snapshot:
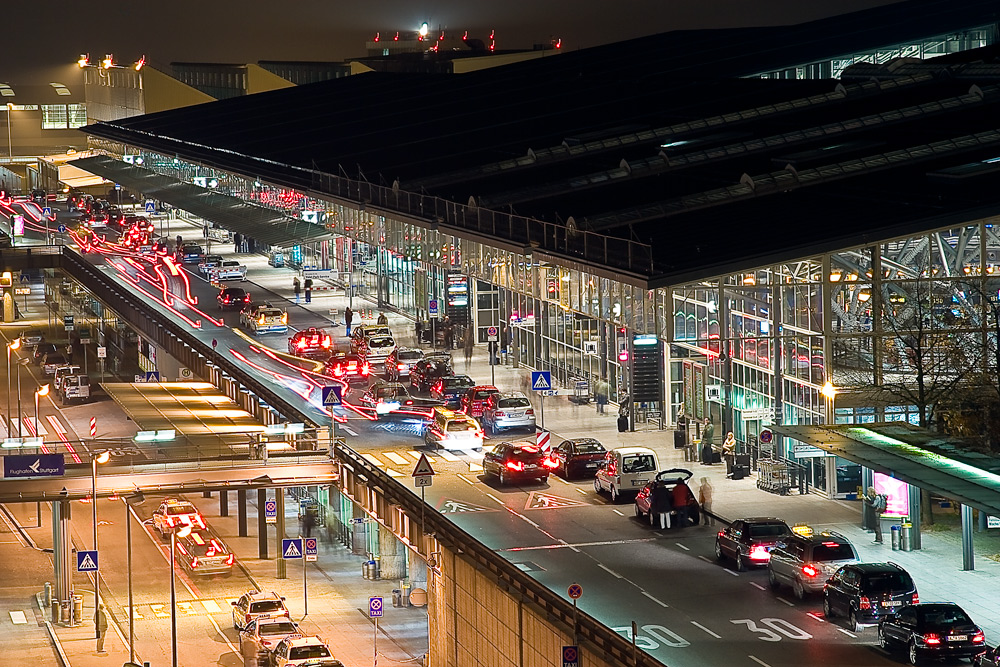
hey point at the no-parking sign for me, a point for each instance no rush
(571, 656)
(312, 549)
(271, 511)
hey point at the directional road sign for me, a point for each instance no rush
(374, 607)
(332, 395)
(312, 549)
(86, 561)
(492, 334)
(541, 380)
(62, 229)
(271, 511)
(571, 656)
(291, 548)
(575, 591)
(150, 206)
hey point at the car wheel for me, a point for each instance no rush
(772, 580)
(597, 485)
(502, 476)
(798, 589)
(827, 608)
(638, 512)
(852, 620)
(883, 640)
(615, 497)
(914, 654)
(741, 565)
(718, 551)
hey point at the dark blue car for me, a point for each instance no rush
(450, 388)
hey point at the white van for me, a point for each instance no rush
(626, 470)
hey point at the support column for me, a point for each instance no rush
(261, 525)
(392, 556)
(725, 350)
(968, 554)
(61, 544)
(915, 513)
(279, 497)
(223, 503)
(241, 512)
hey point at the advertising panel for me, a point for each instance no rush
(898, 493)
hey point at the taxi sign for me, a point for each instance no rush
(312, 549)
(571, 656)
(803, 530)
(374, 607)
(271, 511)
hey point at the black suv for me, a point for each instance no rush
(932, 630)
(806, 562)
(749, 541)
(430, 368)
(867, 592)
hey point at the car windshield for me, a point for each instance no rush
(832, 551)
(942, 617)
(409, 355)
(265, 606)
(887, 582)
(307, 652)
(589, 448)
(518, 402)
(280, 628)
(381, 342)
(377, 331)
(638, 463)
(460, 425)
(768, 530)
(183, 508)
(271, 312)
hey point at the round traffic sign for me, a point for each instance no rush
(62, 229)
(766, 437)
(270, 506)
(310, 543)
(376, 603)
(575, 591)
(570, 654)
(492, 331)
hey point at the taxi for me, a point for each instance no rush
(268, 320)
(311, 343)
(299, 651)
(202, 554)
(256, 605)
(453, 430)
(174, 512)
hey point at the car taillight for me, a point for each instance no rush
(247, 298)
(721, 533)
(301, 345)
(550, 463)
(529, 411)
(499, 413)
(978, 638)
(326, 342)
(759, 552)
(261, 320)
(401, 367)
(364, 369)
(932, 639)
(284, 318)
(225, 300)
(810, 570)
(231, 559)
(515, 465)
(864, 603)
(480, 433)
(338, 371)
(915, 599)
(194, 562)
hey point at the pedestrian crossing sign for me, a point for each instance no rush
(541, 380)
(86, 561)
(331, 395)
(291, 548)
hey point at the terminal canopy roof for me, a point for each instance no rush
(946, 466)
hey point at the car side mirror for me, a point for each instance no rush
(234, 602)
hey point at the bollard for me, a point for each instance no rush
(54, 606)
(906, 536)
(47, 594)
(77, 609)
(896, 540)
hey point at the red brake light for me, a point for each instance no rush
(529, 411)
(401, 367)
(326, 342)
(721, 533)
(932, 639)
(515, 465)
(364, 369)
(550, 463)
(916, 599)
(759, 552)
(301, 345)
(864, 603)
(830, 544)
(978, 638)
(247, 298)
(499, 413)
(809, 570)
(337, 370)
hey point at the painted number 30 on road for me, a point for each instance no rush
(653, 637)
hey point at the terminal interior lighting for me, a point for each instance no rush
(828, 390)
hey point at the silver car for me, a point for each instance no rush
(806, 562)
(505, 411)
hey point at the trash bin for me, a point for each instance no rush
(679, 439)
(47, 594)
(366, 568)
(397, 597)
(906, 537)
(896, 539)
(404, 594)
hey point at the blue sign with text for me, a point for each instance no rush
(34, 465)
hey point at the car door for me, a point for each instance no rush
(781, 555)
(835, 590)
(561, 454)
(490, 460)
(730, 537)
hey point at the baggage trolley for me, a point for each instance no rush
(773, 476)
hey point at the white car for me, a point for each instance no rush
(626, 470)
(268, 320)
(254, 606)
(210, 262)
(299, 651)
(228, 270)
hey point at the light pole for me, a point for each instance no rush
(10, 146)
(20, 421)
(136, 498)
(44, 391)
(11, 346)
(102, 457)
(182, 531)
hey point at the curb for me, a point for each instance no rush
(56, 644)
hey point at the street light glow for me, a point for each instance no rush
(43, 391)
(15, 344)
(829, 390)
(103, 457)
(108, 61)
(184, 530)
(83, 61)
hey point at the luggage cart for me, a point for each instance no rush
(773, 476)
(581, 392)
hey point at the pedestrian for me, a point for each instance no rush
(706, 442)
(660, 505)
(878, 503)
(69, 352)
(308, 286)
(297, 286)
(308, 521)
(681, 497)
(680, 431)
(705, 492)
(180, 242)
(470, 344)
(601, 389)
(238, 241)
(348, 318)
(382, 320)
(101, 623)
(418, 329)
(729, 452)
(449, 333)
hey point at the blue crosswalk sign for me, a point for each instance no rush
(291, 548)
(332, 395)
(541, 380)
(86, 561)
(150, 206)
(47, 211)
(152, 376)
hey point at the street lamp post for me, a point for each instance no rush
(10, 146)
(20, 420)
(136, 498)
(44, 391)
(11, 346)
(102, 457)
(176, 532)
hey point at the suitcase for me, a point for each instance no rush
(716, 457)
(622, 424)
(739, 472)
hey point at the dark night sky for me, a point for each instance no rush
(45, 36)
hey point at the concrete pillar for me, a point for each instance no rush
(359, 532)
(915, 512)
(416, 568)
(392, 554)
(968, 554)
(223, 503)
(61, 544)
(241, 511)
(261, 525)
(279, 497)
(206, 494)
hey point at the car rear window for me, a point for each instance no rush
(768, 530)
(526, 455)
(307, 652)
(589, 448)
(514, 403)
(207, 549)
(388, 392)
(482, 394)
(265, 606)
(456, 382)
(460, 425)
(887, 582)
(638, 463)
(410, 355)
(381, 342)
(833, 551)
(943, 617)
(271, 629)
(184, 508)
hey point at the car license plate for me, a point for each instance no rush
(592, 465)
(892, 603)
(530, 466)
(957, 638)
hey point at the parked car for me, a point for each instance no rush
(748, 542)
(867, 592)
(426, 371)
(174, 512)
(202, 554)
(63, 372)
(311, 343)
(936, 630)
(42, 349)
(579, 457)
(625, 471)
(75, 388)
(449, 389)
(667, 480)
(228, 270)
(474, 399)
(299, 651)
(509, 410)
(517, 461)
(453, 430)
(52, 361)
(254, 606)
(32, 337)
(805, 562)
(360, 333)
(208, 263)
(232, 298)
(259, 638)
(397, 364)
(348, 367)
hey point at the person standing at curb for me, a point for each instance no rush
(705, 492)
(878, 504)
(297, 286)
(382, 320)
(706, 442)
(601, 395)
(348, 318)
(469, 344)
(729, 452)
(308, 286)
(101, 622)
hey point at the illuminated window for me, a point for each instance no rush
(54, 117)
(77, 115)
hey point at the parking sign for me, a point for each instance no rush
(312, 549)
(374, 607)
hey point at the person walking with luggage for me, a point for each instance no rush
(348, 318)
(705, 493)
(101, 623)
(382, 320)
(706, 442)
(729, 452)
(878, 504)
(601, 395)
(297, 286)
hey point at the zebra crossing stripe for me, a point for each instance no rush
(394, 457)
(448, 456)
(374, 459)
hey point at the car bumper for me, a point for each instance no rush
(270, 328)
(579, 468)
(514, 475)
(515, 423)
(209, 570)
(944, 652)
(461, 443)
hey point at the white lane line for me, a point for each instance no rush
(490, 495)
(475, 467)
(465, 479)
(560, 479)
(726, 569)
(395, 458)
(609, 570)
(473, 454)
(790, 604)
(702, 627)
(756, 585)
(816, 616)
(849, 634)
(581, 490)
(758, 661)
(617, 512)
(682, 546)
(448, 456)
(350, 431)
(662, 604)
